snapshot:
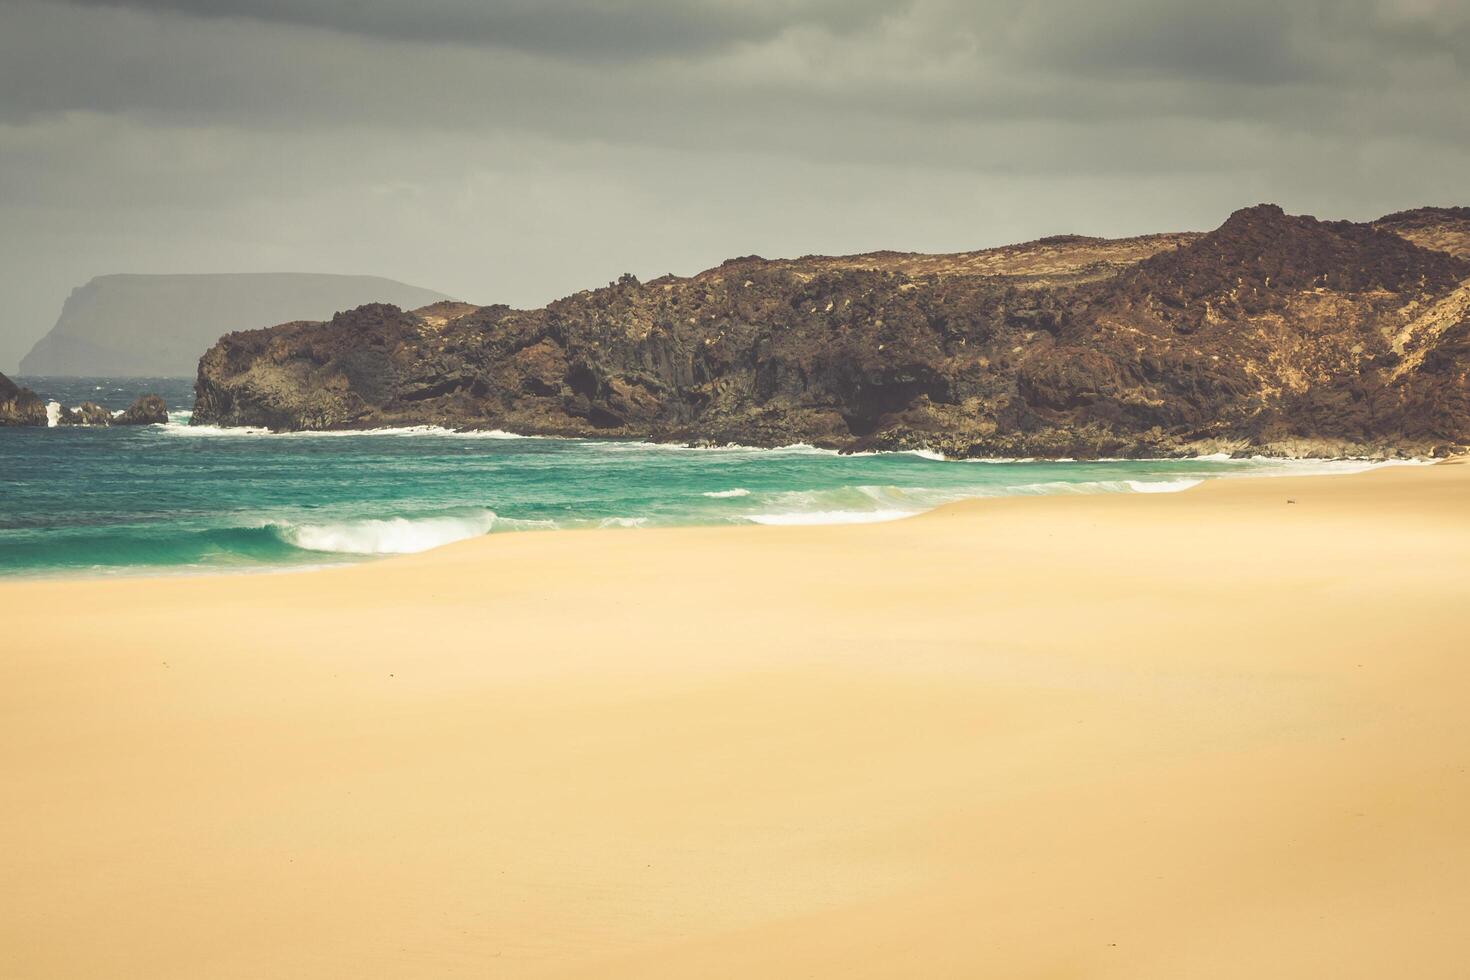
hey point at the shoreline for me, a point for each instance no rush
(331, 560)
(1246, 453)
(1241, 450)
(1212, 733)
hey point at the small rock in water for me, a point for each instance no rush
(147, 410)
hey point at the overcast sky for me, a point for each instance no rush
(516, 151)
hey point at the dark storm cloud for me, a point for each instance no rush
(600, 30)
(947, 75)
(1241, 42)
(521, 149)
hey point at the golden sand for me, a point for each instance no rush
(1213, 734)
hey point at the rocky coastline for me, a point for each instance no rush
(23, 407)
(1274, 334)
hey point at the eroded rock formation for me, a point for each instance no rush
(22, 406)
(146, 410)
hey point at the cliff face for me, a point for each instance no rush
(1271, 333)
(157, 326)
(20, 406)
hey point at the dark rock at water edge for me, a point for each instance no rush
(1274, 333)
(87, 413)
(20, 406)
(147, 410)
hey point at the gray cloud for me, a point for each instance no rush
(612, 30)
(516, 151)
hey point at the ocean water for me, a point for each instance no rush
(78, 501)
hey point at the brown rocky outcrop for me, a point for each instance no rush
(1440, 229)
(146, 410)
(87, 413)
(1272, 333)
(20, 406)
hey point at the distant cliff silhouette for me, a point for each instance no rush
(158, 326)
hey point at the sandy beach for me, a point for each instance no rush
(1213, 734)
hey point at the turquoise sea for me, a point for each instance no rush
(184, 498)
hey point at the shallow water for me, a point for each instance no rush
(108, 501)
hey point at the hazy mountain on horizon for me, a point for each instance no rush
(158, 325)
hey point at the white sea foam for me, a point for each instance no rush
(524, 524)
(392, 536)
(53, 414)
(434, 430)
(997, 460)
(624, 446)
(921, 453)
(1162, 486)
(622, 522)
(851, 505)
(1098, 486)
(255, 430)
(737, 492)
(1270, 466)
(213, 431)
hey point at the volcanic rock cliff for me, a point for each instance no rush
(1273, 333)
(20, 406)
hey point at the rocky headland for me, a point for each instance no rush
(1274, 334)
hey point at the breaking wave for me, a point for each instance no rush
(1098, 486)
(200, 497)
(623, 522)
(848, 505)
(390, 536)
(1161, 486)
(871, 504)
(633, 446)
